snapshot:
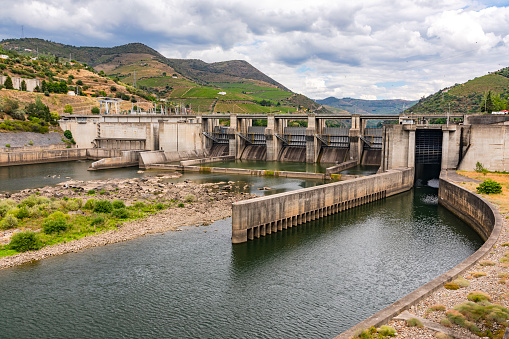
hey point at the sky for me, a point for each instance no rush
(364, 49)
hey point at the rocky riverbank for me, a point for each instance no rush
(205, 203)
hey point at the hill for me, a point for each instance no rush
(489, 92)
(360, 106)
(229, 86)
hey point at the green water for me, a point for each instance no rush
(270, 165)
(311, 281)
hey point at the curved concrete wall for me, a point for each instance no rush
(478, 213)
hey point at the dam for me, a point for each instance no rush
(403, 148)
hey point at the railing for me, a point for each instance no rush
(253, 138)
(339, 141)
(218, 138)
(372, 141)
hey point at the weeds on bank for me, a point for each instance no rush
(376, 333)
(479, 313)
(46, 221)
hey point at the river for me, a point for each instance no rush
(311, 281)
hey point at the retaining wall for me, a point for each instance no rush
(257, 217)
(468, 206)
(39, 157)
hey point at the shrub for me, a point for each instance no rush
(7, 145)
(387, 331)
(451, 286)
(478, 274)
(478, 296)
(118, 204)
(68, 134)
(190, 198)
(68, 109)
(95, 110)
(98, 220)
(479, 167)
(456, 317)
(181, 204)
(22, 213)
(489, 187)
(25, 241)
(54, 223)
(89, 205)
(73, 204)
(90, 192)
(6, 206)
(120, 213)
(9, 221)
(461, 282)
(103, 206)
(414, 322)
(159, 206)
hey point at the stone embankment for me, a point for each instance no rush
(21, 139)
(213, 202)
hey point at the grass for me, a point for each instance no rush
(78, 225)
(502, 199)
(414, 322)
(477, 274)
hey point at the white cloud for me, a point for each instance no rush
(347, 47)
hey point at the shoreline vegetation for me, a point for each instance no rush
(76, 215)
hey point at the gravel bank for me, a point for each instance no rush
(213, 202)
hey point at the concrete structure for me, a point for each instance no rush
(481, 215)
(16, 82)
(460, 146)
(257, 217)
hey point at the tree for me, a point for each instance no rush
(499, 102)
(8, 83)
(68, 109)
(487, 103)
(23, 86)
(38, 110)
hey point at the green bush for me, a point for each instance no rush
(103, 206)
(95, 110)
(159, 206)
(387, 331)
(90, 192)
(479, 168)
(139, 204)
(22, 213)
(120, 213)
(181, 204)
(89, 205)
(118, 204)
(98, 220)
(54, 223)
(68, 134)
(489, 187)
(25, 241)
(68, 109)
(414, 322)
(9, 221)
(6, 206)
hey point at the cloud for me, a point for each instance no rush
(318, 48)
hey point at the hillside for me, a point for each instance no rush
(229, 86)
(489, 91)
(360, 106)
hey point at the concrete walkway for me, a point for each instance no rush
(458, 178)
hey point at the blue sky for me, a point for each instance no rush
(368, 49)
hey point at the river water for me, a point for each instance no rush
(311, 281)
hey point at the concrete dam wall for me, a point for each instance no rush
(481, 215)
(257, 217)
